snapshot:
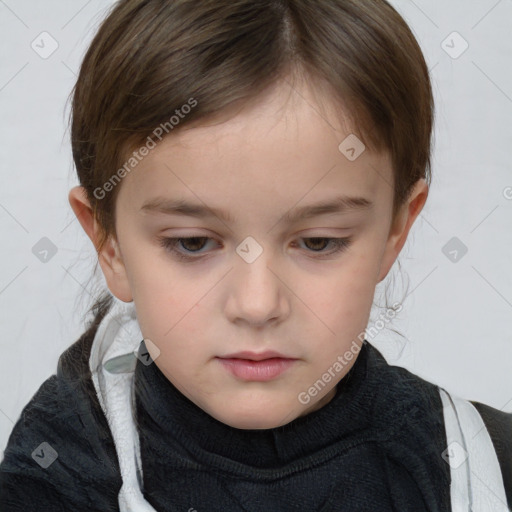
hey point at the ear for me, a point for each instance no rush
(401, 226)
(110, 257)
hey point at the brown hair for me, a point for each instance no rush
(149, 58)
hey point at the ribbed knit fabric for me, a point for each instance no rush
(376, 446)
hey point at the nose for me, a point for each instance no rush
(257, 294)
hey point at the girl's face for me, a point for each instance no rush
(263, 270)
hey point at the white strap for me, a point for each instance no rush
(112, 364)
(476, 479)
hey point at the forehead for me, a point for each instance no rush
(276, 151)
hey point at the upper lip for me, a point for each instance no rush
(254, 356)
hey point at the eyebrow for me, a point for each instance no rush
(337, 205)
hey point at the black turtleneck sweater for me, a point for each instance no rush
(376, 446)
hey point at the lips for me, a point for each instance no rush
(253, 356)
(256, 366)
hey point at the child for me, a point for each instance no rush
(249, 173)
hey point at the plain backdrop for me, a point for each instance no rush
(457, 314)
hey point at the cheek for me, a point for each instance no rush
(160, 286)
(347, 285)
(170, 314)
(339, 303)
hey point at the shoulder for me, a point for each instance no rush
(498, 423)
(420, 393)
(402, 394)
(60, 449)
(499, 426)
(431, 419)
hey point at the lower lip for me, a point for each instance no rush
(266, 369)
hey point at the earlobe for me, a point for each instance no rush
(401, 227)
(109, 257)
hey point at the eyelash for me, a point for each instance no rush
(169, 244)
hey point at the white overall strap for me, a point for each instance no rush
(112, 362)
(476, 478)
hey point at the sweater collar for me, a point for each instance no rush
(170, 415)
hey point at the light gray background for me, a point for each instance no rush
(457, 318)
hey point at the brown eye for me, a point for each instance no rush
(185, 247)
(318, 243)
(192, 244)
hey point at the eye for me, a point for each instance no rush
(193, 245)
(171, 244)
(339, 244)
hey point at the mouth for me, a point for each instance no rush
(254, 356)
(256, 370)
